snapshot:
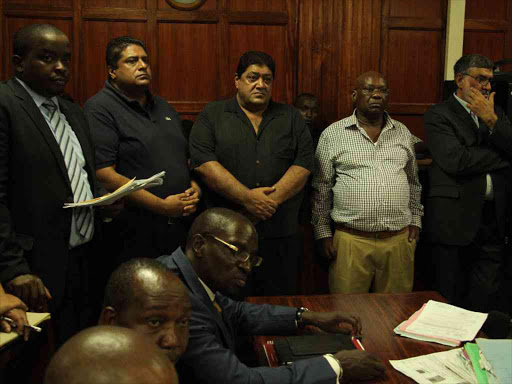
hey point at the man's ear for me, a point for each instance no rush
(237, 79)
(17, 63)
(354, 95)
(111, 72)
(198, 243)
(459, 78)
(108, 316)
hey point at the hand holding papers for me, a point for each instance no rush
(442, 323)
(131, 186)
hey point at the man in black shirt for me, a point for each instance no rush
(138, 134)
(255, 156)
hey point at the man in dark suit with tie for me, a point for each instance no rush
(46, 160)
(468, 199)
(221, 251)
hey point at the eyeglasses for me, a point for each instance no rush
(372, 90)
(482, 80)
(241, 256)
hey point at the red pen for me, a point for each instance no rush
(357, 343)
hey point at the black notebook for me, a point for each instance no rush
(290, 349)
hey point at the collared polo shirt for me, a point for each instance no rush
(224, 133)
(140, 141)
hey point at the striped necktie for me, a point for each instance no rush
(81, 190)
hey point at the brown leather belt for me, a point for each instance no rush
(374, 235)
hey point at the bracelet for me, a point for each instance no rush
(298, 317)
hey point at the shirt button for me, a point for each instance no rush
(257, 161)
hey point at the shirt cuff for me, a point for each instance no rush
(336, 366)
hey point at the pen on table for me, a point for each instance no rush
(357, 343)
(13, 324)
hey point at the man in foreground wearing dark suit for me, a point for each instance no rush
(467, 204)
(222, 249)
(46, 160)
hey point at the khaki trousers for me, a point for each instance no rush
(366, 264)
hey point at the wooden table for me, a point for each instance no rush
(379, 313)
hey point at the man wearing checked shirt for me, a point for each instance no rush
(366, 182)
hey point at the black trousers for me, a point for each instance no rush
(470, 276)
(277, 275)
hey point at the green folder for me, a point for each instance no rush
(474, 354)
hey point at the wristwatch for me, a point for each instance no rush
(298, 317)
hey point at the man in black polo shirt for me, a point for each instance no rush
(255, 156)
(138, 134)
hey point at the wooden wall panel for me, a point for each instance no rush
(182, 76)
(414, 64)
(96, 35)
(413, 44)
(488, 29)
(416, 8)
(15, 23)
(486, 10)
(38, 3)
(269, 39)
(209, 5)
(490, 44)
(114, 4)
(258, 5)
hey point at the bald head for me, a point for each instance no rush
(362, 78)
(146, 296)
(109, 355)
(370, 96)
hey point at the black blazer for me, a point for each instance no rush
(462, 156)
(34, 185)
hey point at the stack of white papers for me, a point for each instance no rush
(442, 323)
(131, 186)
(453, 367)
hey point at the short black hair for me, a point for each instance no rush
(116, 46)
(255, 58)
(304, 96)
(472, 61)
(119, 290)
(25, 37)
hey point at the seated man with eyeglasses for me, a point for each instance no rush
(221, 251)
(366, 181)
(469, 196)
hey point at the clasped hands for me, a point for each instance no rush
(259, 204)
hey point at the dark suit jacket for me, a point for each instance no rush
(210, 356)
(462, 156)
(34, 185)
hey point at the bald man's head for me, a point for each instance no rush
(370, 95)
(110, 355)
(210, 248)
(144, 295)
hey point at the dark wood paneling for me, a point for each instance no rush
(269, 39)
(207, 6)
(490, 44)
(416, 8)
(95, 36)
(485, 9)
(114, 4)
(414, 64)
(15, 23)
(258, 5)
(46, 4)
(182, 76)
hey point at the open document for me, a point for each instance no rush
(442, 323)
(450, 367)
(131, 186)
